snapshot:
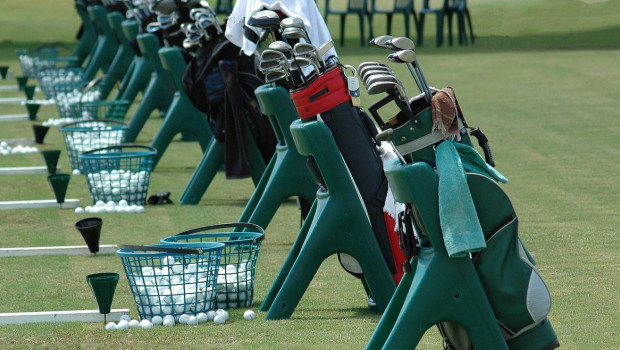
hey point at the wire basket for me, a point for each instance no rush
(66, 79)
(235, 281)
(70, 98)
(119, 172)
(86, 135)
(172, 279)
(42, 63)
(26, 59)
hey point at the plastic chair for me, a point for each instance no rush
(337, 223)
(439, 12)
(181, 116)
(158, 93)
(459, 8)
(286, 174)
(358, 7)
(224, 7)
(404, 7)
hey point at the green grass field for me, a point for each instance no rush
(541, 81)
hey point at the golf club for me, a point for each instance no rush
(267, 20)
(368, 69)
(379, 76)
(381, 40)
(305, 49)
(325, 47)
(283, 47)
(294, 22)
(408, 57)
(387, 86)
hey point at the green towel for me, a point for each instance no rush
(474, 163)
(462, 233)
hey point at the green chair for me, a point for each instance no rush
(459, 9)
(122, 60)
(159, 91)
(404, 7)
(354, 7)
(139, 72)
(181, 116)
(224, 7)
(88, 37)
(286, 174)
(439, 12)
(106, 47)
(442, 289)
(337, 223)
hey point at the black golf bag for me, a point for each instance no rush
(327, 98)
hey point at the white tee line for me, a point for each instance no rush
(13, 117)
(26, 170)
(43, 203)
(58, 250)
(13, 100)
(61, 316)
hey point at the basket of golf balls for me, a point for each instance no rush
(86, 135)
(26, 59)
(172, 279)
(235, 279)
(56, 80)
(70, 101)
(119, 172)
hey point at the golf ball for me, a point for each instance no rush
(211, 315)
(219, 319)
(168, 322)
(183, 319)
(122, 325)
(79, 210)
(134, 323)
(202, 317)
(192, 321)
(76, 172)
(145, 324)
(249, 315)
(157, 320)
(110, 326)
(223, 313)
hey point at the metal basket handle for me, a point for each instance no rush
(197, 251)
(91, 121)
(122, 146)
(228, 225)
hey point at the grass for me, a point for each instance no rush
(541, 82)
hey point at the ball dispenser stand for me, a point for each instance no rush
(51, 160)
(39, 132)
(59, 183)
(90, 229)
(103, 286)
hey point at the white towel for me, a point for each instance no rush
(304, 9)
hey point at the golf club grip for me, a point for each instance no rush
(483, 141)
(162, 249)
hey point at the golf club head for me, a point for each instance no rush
(293, 22)
(366, 69)
(384, 86)
(370, 63)
(275, 76)
(403, 56)
(266, 19)
(267, 65)
(381, 40)
(153, 27)
(381, 77)
(272, 54)
(164, 7)
(295, 33)
(368, 73)
(400, 43)
(282, 47)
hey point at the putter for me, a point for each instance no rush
(408, 57)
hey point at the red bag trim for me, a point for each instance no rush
(324, 93)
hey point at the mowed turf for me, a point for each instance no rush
(541, 81)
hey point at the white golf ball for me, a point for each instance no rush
(76, 172)
(219, 319)
(145, 324)
(192, 321)
(223, 313)
(125, 317)
(122, 325)
(202, 317)
(110, 326)
(168, 322)
(134, 323)
(249, 315)
(157, 320)
(139, 209)
(183, 319)
(211, 315)
(79, 210)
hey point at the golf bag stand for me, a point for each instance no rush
(158, 93)
(337, 223)
(491, 299)
(182, 116)
(87, 36)
(286, 174)
(106, 47)
(139, 73)
(122, 60)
